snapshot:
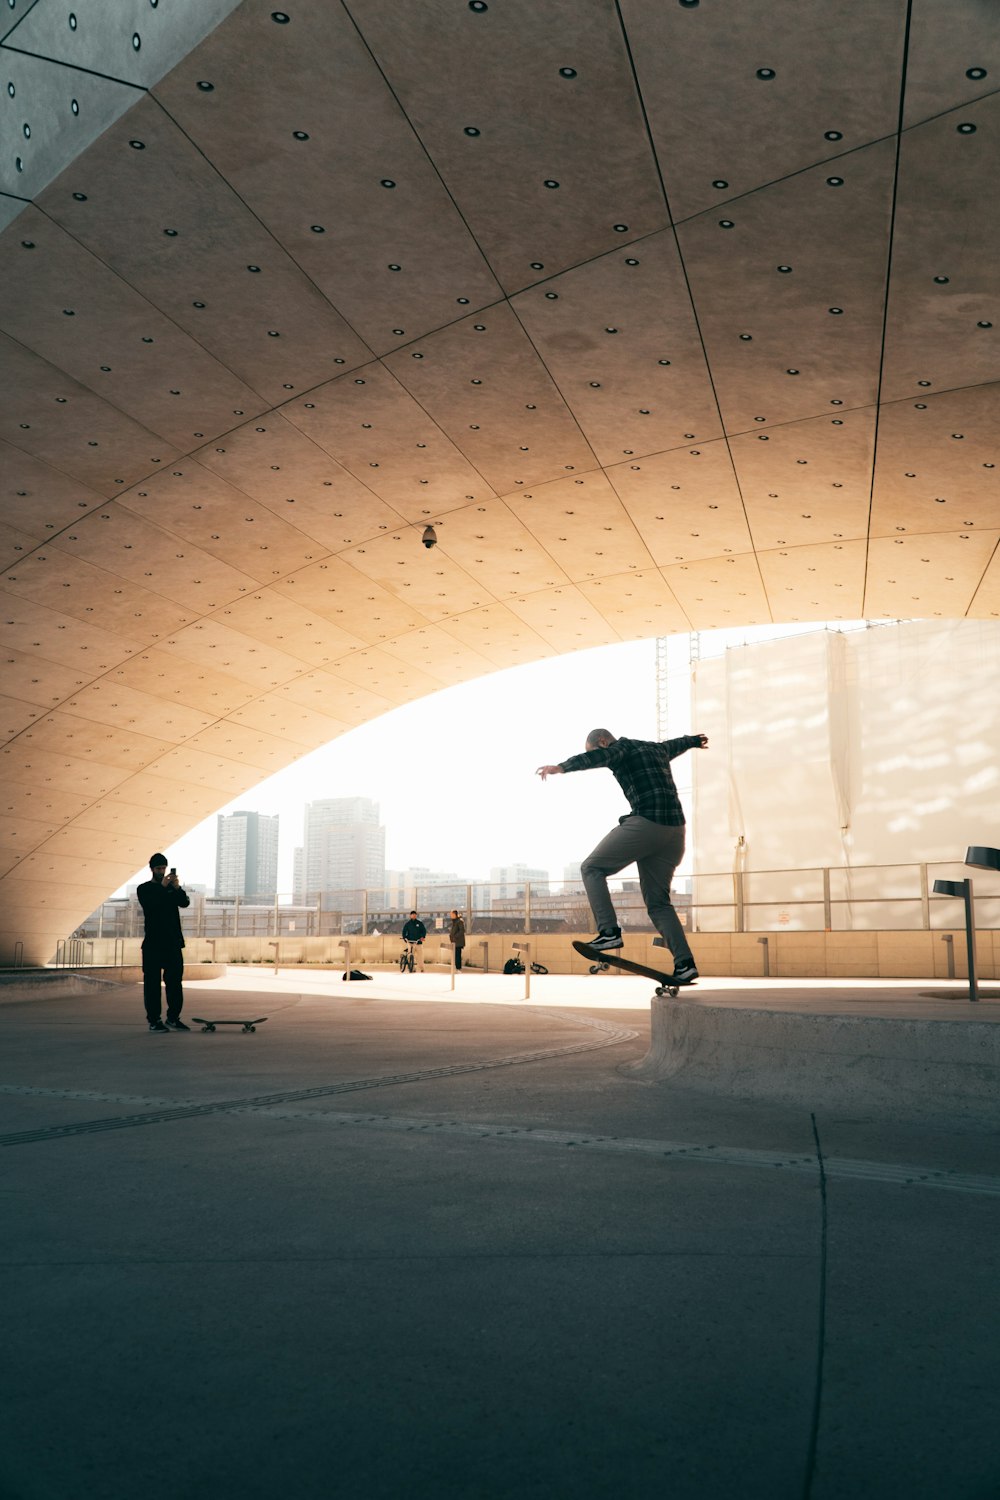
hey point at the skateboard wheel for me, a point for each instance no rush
(673, 991)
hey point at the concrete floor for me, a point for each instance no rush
(403, 1244)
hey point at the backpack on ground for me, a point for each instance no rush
(513, 966)
(354, 974)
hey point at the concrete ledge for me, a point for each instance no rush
(903, 1066)
(58, 984)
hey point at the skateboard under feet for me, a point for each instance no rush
(666, 984)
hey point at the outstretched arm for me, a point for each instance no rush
(685, 742)
(601, 755)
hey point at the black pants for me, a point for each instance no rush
(458, 957)
(166, 964)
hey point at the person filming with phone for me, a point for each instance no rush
(163, 946)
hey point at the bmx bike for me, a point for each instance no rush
(407, 959)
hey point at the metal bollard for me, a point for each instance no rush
(948, 939)
(525, 948)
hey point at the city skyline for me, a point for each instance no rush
(461, 795)
(454, 773)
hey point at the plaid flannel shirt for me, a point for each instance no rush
(642, 770)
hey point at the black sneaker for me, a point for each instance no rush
(685, 973)
(157, 1026)
(177, 1025)
(608, 937)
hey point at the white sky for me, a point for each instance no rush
(453, 773)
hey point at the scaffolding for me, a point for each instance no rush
(663, 676)
(662, 693)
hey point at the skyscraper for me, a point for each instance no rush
(246, 856)
(343, 847)
(510, 880)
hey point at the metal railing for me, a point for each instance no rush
(858, 898)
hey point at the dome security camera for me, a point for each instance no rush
(429, 537)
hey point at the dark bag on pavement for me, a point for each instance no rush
(513, 966)
(354, 974)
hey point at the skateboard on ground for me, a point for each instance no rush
(211, 1025)
(665, 984)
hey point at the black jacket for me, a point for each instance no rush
(160, 908)
(414, 931)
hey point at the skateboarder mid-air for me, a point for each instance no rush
(651, 835)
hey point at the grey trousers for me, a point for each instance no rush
(656, 849)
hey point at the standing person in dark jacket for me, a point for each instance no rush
(651, 835)
(456, 936)
(163, 946)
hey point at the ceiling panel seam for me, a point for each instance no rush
(58, 62)
(687, 284)
(419, 140)
(888, 272)
(763, 187)
(19, 20)
(410, 396)
(993, 557)
(156, 311)
(951, 110)
(281, 248)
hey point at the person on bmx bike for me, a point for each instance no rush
(414, 933)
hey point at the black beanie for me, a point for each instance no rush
(157, 859)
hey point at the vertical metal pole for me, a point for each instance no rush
(925, 900)
(468, 907)
(527, 906)
(827, 902)
(970, 939)
(236, 916)
(766, 955)
(277, 917)
(364, 913)
(741, 925)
